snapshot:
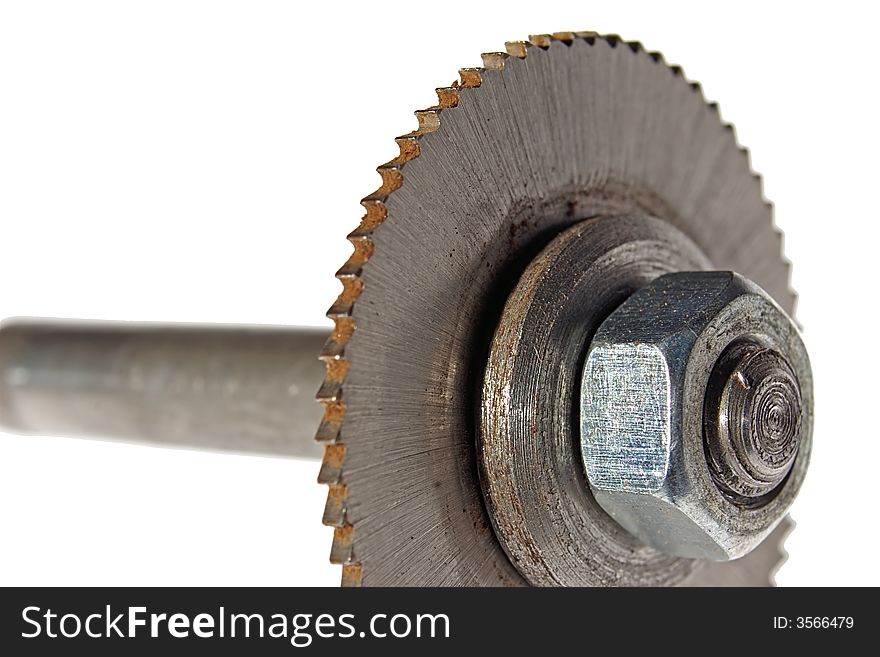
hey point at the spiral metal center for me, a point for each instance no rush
(752, 421)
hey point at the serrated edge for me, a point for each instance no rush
(330, 394)
(781, 551)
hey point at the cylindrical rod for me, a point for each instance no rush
(239, 388)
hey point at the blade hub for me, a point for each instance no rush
(533, 481)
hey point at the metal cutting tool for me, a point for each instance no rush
(563, 354)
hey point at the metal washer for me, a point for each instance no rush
(533, 480)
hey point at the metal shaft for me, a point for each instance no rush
(239, 388)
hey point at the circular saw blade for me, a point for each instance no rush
(555, 130)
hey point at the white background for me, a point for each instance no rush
(203, 161)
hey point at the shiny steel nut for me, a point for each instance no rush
(696, 415)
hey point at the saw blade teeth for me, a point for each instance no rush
(337, 369)
(331, 464)
(517, 48)
(376, 212)
(351, 289)
(341, 550)
(409, 148)
(447, 97)
(363, 249)
(331, 387)
(351, 575)
(334, 509)
(470, 78)
(494, 61)
(330, 390)
(611, 39)
(541, 40)
(392, 179)
(429, 120)
(368, 224)
(788, 525)
(747, 155)
(791, 291)
(331, 423)
(544, 41)
(715, 108)
(334, 347)
(565, 37)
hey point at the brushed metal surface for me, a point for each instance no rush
(626, 414)
(514, 154)
(236, 388)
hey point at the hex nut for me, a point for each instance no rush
(643, 390)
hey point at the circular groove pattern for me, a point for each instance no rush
(563, 128)
(752, 421)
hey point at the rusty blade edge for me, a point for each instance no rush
(330, 394)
